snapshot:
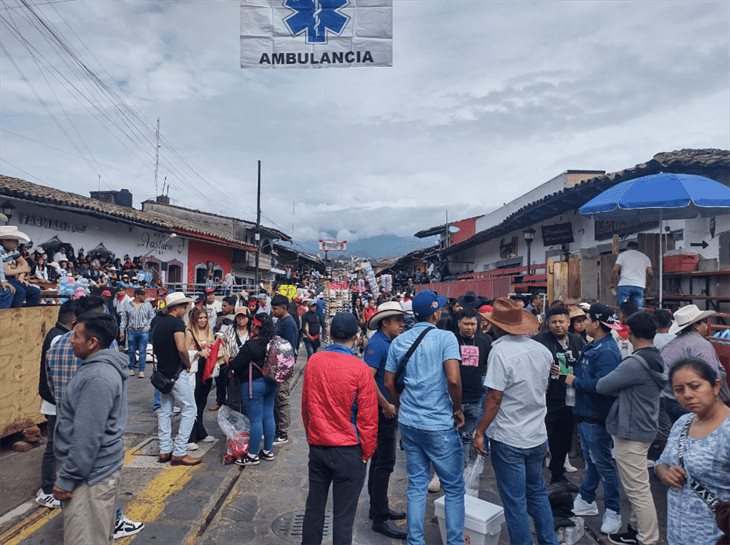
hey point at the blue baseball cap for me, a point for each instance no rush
(344, 326)
(427, 302)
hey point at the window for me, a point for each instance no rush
(174, 274)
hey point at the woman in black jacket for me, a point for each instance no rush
(257, 392)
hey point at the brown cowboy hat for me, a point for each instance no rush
(508, 316)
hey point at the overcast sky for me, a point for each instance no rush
(485, 100)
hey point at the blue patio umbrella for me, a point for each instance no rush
(660, 196)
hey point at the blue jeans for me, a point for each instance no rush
(30, 295)
(260, 411)
(137, 341)
(635, 294)
(182, 396)
(6, 298)
(472, 415)
(597, 444)
(443, 449)
(523, 492)
(156, 400)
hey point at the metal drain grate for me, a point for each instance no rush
(289, 525)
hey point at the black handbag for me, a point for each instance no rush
(399, 378)
(163, 384)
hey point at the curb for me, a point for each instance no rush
(217, 499)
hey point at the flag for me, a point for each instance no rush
(316, 33)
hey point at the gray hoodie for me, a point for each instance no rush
(637, 385)
(91, 420)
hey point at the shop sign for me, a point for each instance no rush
(50, 223)
(557, 234)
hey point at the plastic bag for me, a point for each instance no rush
(570, 535)
(236, 427)
(471, 475)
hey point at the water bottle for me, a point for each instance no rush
(569, 396)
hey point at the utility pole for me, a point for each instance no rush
(157, 154)
(99, 182)
(257, 233)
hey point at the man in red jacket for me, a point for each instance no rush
(340, 414)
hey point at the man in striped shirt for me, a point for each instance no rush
(136, 316)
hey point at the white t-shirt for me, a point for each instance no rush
(212, 310)
(520, 368)
(633, 268)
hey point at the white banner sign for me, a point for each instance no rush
(332, 245)
(316, 33)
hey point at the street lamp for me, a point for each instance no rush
(529, 235)
(7, 208)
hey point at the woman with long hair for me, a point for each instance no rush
(200, 339)
(257, 392)
(234, 339)
(696, 459)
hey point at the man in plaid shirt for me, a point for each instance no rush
(61, 365)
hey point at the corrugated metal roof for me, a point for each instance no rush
(714, 163)
(44, 195)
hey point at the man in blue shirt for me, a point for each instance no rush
(599, 358)
(286, 328)
(429, 415)
(388, 321)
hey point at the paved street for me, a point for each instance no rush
(210, 503)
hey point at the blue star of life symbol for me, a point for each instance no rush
(315, 18)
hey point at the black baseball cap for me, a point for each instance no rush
(604, 314)
(344, 326)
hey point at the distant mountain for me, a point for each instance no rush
(377, 247)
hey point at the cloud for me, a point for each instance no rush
(484, 102)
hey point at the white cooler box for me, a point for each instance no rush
(482, 521)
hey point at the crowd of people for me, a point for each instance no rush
(515, 378)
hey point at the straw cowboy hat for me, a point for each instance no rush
(576, 312)
(385, 310)
(10, 232)
(688, 315)
(508, 316)
(177, 298)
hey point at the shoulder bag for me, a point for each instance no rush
(162, 383)
(719, 507)
(403, 363)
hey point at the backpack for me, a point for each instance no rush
(279, 363)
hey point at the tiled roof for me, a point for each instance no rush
(713, 163)
(43, 195)
(273, 232)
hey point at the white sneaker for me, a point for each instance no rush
(611, 522)
(209, 439)
(176, 410)
(582, 508)
(126, 527)
(435, 484)
(131, 372)
(568, 467)
(192, 446)
(47, 500)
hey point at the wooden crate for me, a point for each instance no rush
(22, 331)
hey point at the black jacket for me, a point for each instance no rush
(556, 386)
(44, 390)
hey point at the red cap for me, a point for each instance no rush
(106, 293)
(209, 290)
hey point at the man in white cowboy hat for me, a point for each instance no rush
(690, 327)
(518, 371)
(387, 323)
(168, 341)
(15, 268)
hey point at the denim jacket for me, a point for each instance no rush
(599, 358)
